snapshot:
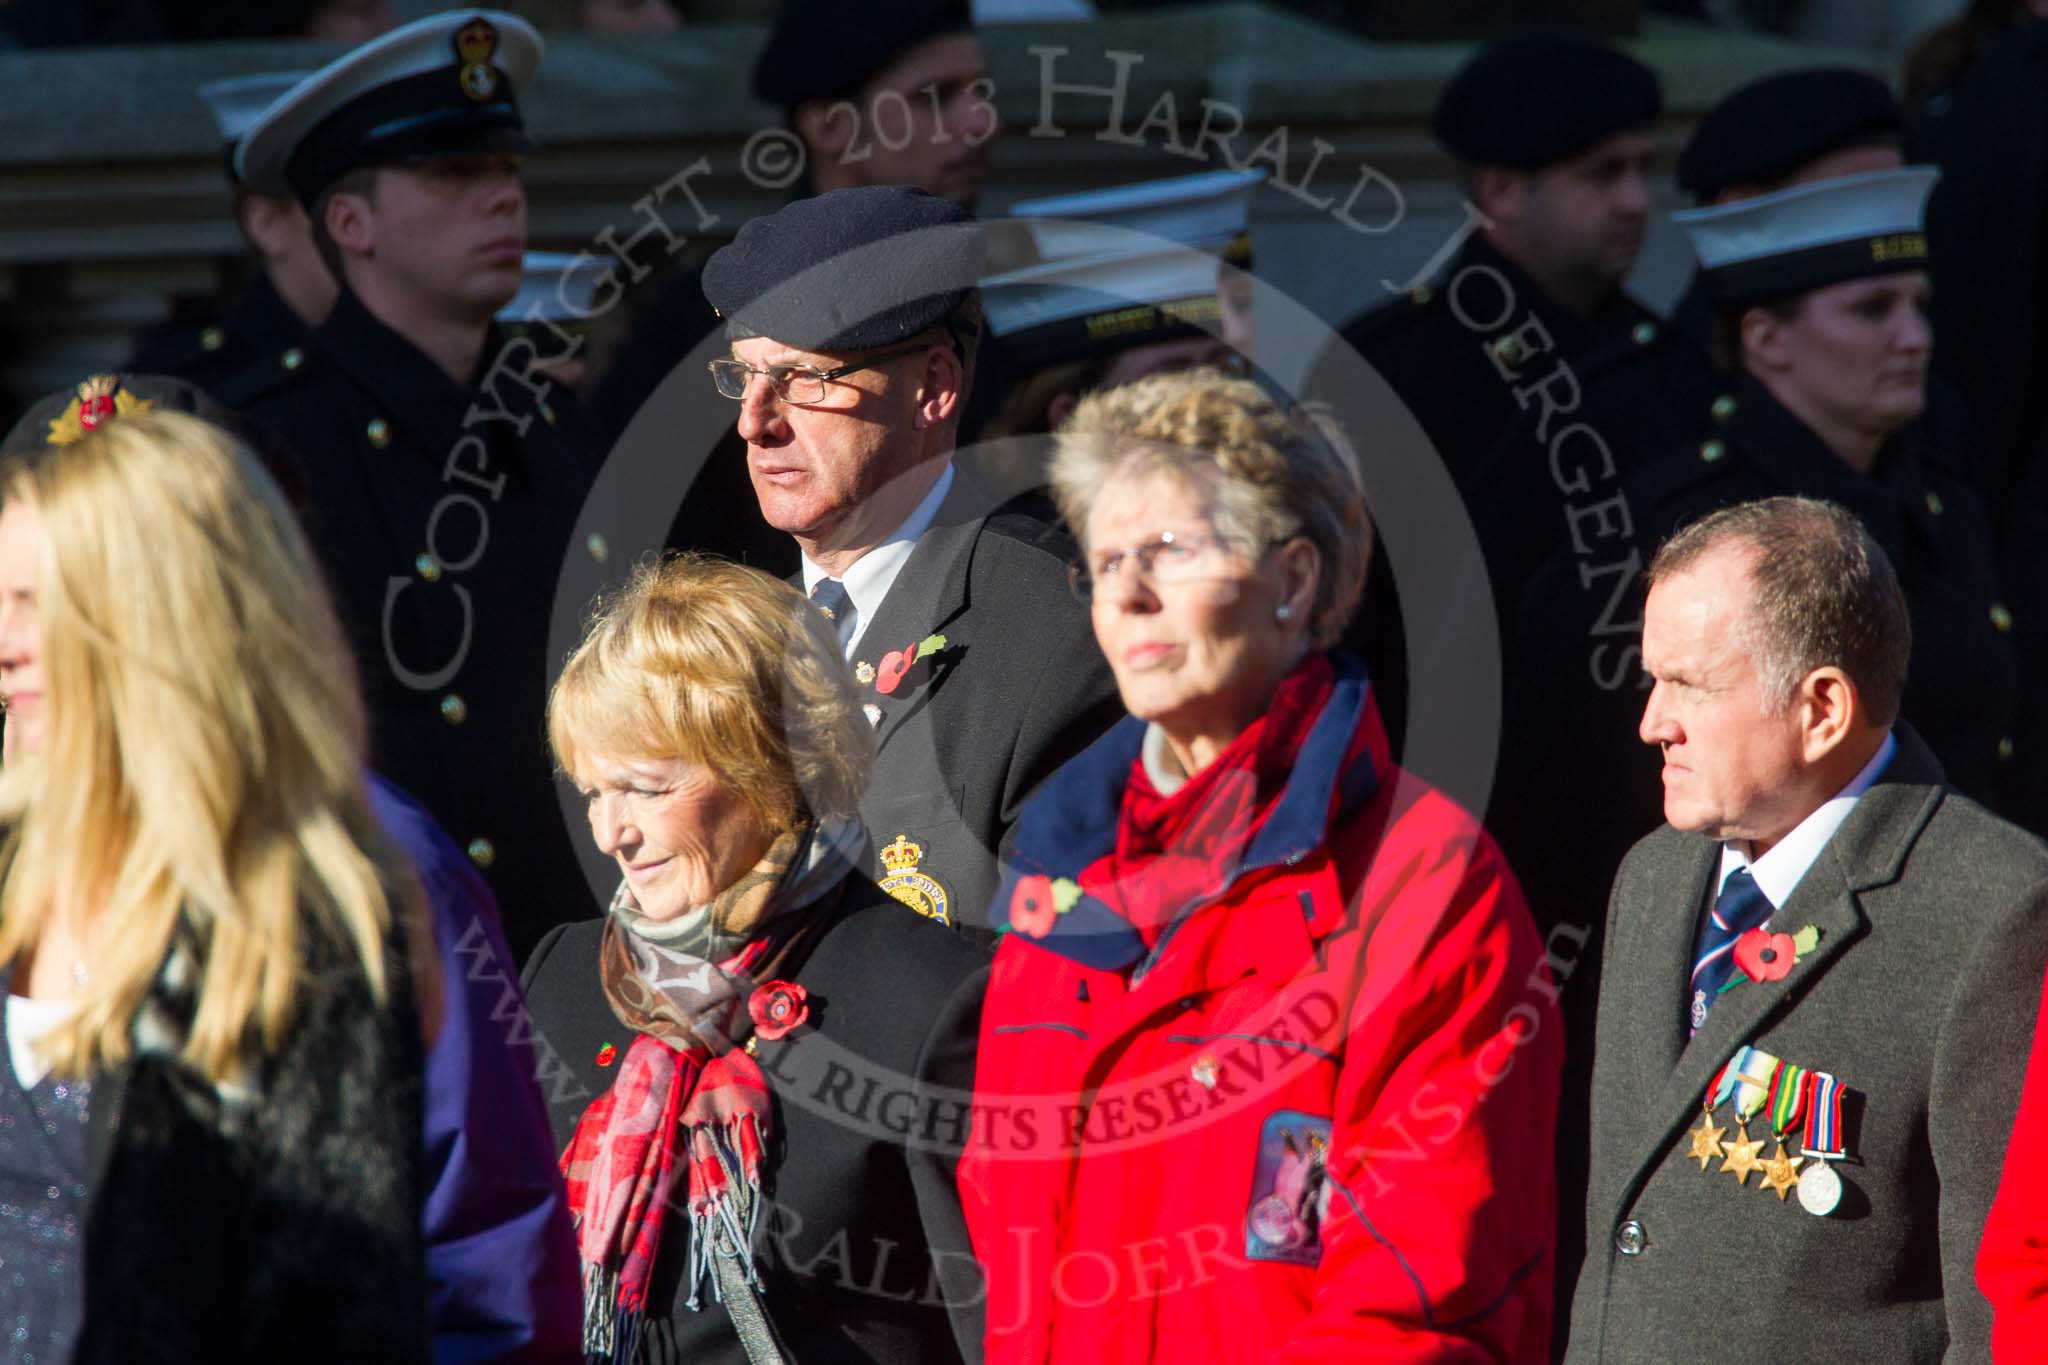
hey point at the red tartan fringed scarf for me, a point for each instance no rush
(621, 1173)
(687, 1099)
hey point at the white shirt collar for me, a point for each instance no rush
(1778, 872)
(870, 577)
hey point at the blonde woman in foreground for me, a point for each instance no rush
(210, 1089)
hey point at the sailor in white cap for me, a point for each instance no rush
(447, 470)
(289, 289)
(1821, 292)
(1117, 284)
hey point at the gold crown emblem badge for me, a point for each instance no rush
(911, 884)
(476, 42)
(902, 856)
(100, 399)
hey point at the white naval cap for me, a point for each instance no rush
(1813, 235)
(445, 85)
(1122, 267)
(556, 287)
(239, 101)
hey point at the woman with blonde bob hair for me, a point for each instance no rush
(773, 1040)
(1245, 953)
(202, 927)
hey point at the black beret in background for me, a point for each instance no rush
(847, 270)
(1768, 129)
(1538, 98)
(54, 419)
(827, 49)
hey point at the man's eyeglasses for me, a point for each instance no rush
(797, 383)
(1172, 558)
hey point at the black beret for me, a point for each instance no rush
(1538, 98)
(65, 416)
(828, 49)
(1768, 129)
(847, 270)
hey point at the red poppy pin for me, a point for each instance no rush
(1765, 956)
(1038, 901)
(896, 664)
(776, 1007)
(607, 1054)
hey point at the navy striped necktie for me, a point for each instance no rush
(1740, 907)
(829, 595)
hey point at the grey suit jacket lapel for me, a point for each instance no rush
(1867, 851)
(930, 591)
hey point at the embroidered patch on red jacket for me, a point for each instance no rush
(1284, 1220)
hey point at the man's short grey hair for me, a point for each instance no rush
(1270, 473)
(1822, 593)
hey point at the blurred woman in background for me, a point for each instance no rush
(211, 1087)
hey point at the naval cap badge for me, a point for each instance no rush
(908, 883)
(476, 42)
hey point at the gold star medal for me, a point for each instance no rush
(1740, 1158)
(1706, 1140)
(1780, 1173)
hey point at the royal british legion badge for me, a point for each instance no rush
(916, 888)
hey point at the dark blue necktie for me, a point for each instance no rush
(1740, 907)
(829, 595)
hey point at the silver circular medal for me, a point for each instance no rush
(1820, 1189)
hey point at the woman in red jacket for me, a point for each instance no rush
(1269, 1061)
(2012, 1258)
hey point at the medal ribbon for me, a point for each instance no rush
(1752, 1072)
(1718, 1088)
(1823, 1116)
(1787, 1098)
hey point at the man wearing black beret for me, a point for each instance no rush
(1552, 134)
(853, 324)
(446, 472)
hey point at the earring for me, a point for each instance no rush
(1283, 612)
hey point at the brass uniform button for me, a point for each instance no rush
(379, 432)
(547, 414)
(1934, 502)
(1644, 333)
(1712, 451)
(2005, 749)
(1630, 1238)
(212, 339)
(599, 549)
(1421, 293)
(292, 359)
(1724, 407)
(429, 568)
(2001, 619)
(454, 709)
(481, 853)
(1509, 350)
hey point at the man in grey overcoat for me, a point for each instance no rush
(1820, 980)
